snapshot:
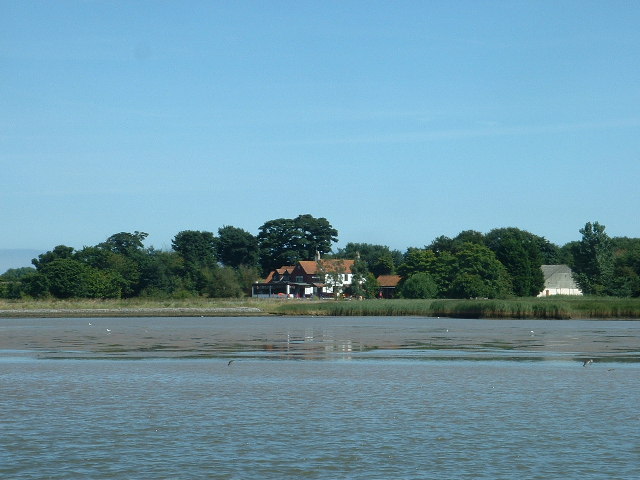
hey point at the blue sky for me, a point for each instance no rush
(397, 121)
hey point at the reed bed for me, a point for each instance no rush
(529, 308)
(526, 308)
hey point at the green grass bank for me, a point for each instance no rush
(525, 308)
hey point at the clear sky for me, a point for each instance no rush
(398, 121)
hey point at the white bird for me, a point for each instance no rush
(587, 362)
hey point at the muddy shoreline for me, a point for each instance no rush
(132, 312)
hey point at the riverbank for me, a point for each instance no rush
(552, 308)
(524, 308)
(131, 308)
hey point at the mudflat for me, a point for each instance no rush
(320, 337)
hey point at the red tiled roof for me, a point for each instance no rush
(280, 271)
(285, 269)
(388, 280)
(310, 267)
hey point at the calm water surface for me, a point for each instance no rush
(325, 398)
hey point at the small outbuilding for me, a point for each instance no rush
(558, 280)
(387, 285)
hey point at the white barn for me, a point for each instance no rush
(558, 280)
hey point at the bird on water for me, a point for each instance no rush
(587, 362)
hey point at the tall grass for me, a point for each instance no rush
(558, 307)
(540, 308)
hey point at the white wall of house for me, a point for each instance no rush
(331, 287)
(558, 280)
(547, 292)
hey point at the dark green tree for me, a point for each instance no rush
(593, 260)
(237, 247)
(127, 259)
(317, 234)
(247, 276)
(102, 284)
(626, 270)
(444, 271)
(285, 241)
(442, 244)
(551, 254)
(417, 260)
(199, 253)
(124, 243)
(67, 278)
(478, 273)
(16, 274)
(379, 259)
(11, 285)
(197, 248)
(519, 251)
(441, 266)
(59, 252)
(280, 244)
(419, 285)
(446, 244)
(96, 257)
(119, 271)
(161, 274)
(566, 254)
(36, 285)
(469, 236)
(223, 282)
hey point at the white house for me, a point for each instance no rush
(558, 280)
(307, 278)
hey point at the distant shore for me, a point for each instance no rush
(130, 308)
(560, 308)
(129, 312)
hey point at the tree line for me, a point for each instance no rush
(503, 262)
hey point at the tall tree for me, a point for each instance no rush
(199, 252)
(67, 278)
(519, 251)
(593, 260)
(419, 285)
(317, 234)
(285, 241)
(125, 243)
(379, 259)
(197, 248)
(237, 247)
(417, 260)
(161, 273)
(478, 273)
(446, 244)
(626, 278)
(280, 244)
(59, 252)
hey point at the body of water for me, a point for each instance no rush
(319, 398)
